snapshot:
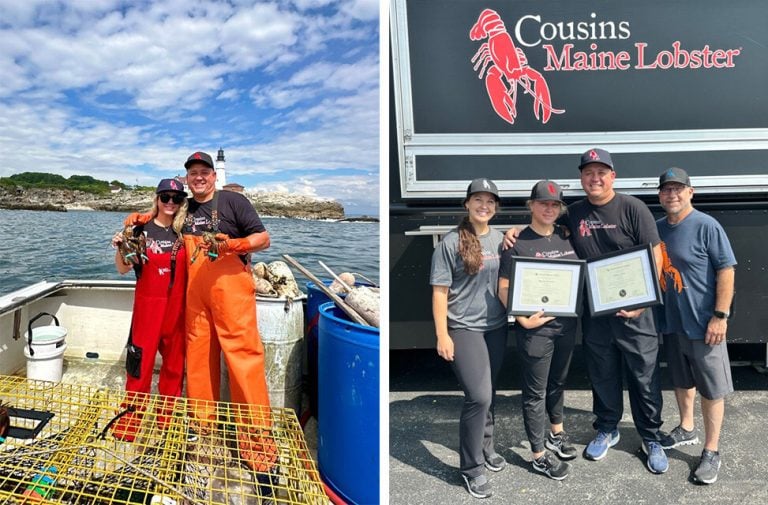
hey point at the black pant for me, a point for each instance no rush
(477, 359)
(612, 345)
(546, 360)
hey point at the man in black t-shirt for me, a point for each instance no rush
(221, 314)
(603, 222)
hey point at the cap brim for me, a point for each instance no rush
(590, 162)
(190, 162)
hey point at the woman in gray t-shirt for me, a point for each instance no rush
(471, 327)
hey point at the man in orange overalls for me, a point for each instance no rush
(221, 305)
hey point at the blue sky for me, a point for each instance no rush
(127, 90)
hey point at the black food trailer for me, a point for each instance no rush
(516, 90)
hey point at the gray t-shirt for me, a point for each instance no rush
(694, 250)
(473, 302)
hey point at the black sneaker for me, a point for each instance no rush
(679, 436)
(479, 487)
(551, 466)
(709, 464)
(560, 445)
(495, 462)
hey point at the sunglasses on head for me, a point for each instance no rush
(177, 198)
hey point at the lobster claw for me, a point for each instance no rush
(535, 84)
(503, 103)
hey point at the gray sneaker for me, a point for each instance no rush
(479, 487)
(551, 466)
(709, 464)
(495, 462)
(679, 436)
(561, 445)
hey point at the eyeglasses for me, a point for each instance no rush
(176, 197)
(668, 190)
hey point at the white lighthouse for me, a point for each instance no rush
(221, 175)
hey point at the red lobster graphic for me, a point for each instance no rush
(508, 67)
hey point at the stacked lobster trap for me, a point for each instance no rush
(64, 446)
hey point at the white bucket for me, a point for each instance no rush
(45, 350)
(47, 364)
(281, 326)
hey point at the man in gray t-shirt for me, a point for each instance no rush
(697, 279)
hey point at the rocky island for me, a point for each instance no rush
(132, 200)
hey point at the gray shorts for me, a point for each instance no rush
(692, 363)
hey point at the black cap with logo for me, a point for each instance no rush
(547, 191)
(170, 185)
(482, 186)
(674, 174)
(596, 155)
(199, 157)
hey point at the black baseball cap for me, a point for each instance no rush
(547, 191)
(170, 185)
(596, 155)
(199, 157)
(482, 186)
(674, 174)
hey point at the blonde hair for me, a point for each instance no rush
(178, 218)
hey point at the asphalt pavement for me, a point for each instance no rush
(425, 403)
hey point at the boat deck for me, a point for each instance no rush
(173, 455)
(425, 403)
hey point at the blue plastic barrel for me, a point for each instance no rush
(315, 298)
(348, 423)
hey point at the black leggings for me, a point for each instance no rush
(477, 360)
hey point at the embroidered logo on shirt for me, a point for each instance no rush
(586, 226)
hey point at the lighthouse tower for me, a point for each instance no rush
(221, 175)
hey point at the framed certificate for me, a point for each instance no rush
(622, 280)
(551, 285)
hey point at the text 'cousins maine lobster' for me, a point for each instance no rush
(505, 65)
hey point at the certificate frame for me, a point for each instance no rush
(527, 295)
(633, 267)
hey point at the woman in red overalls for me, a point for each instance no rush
(158, 309)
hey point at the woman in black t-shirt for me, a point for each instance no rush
(544, 342)
(157, 324)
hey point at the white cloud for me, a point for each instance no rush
(362, 9)
(125, 90)
(308, 82)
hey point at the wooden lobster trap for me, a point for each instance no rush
(76, 444)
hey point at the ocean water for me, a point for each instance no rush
(54, 246)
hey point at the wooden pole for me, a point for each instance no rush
(344, 285)
(333, 296)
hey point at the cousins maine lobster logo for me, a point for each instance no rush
(507, 67)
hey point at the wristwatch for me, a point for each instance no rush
(720, 314)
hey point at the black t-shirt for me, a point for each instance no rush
(530, 244)
(159, 239)
(237, 217)
(622, 223)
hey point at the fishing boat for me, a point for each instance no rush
(60, 446)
